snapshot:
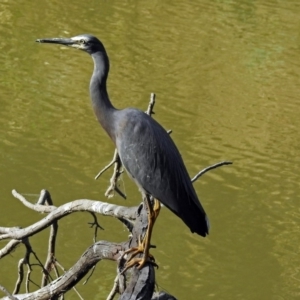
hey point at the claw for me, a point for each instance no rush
(140, 261)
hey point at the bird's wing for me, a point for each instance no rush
(153, 161)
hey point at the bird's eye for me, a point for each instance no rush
(82, 42)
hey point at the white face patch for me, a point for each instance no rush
(80, 42)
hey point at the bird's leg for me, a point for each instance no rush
(144, 246)
(153, 213)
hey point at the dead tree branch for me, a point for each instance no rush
(56, 213)
(93, 255)
(130, 284)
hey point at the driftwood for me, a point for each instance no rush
(133, 284)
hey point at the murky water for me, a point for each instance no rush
(226, 75)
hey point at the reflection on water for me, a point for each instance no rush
(226, 75)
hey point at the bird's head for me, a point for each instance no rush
(85, 42)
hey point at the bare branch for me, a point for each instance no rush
(49, 264)
(115, 289)
(114, 160)
(96, 225)
(8, 229)
(141, 283)
(10, 246)
(78, 294)
(26, 261)
(95, 253)
(115, 177)
(20, 276)
(45, 198)
(68, 208)
(63, 269)
(151, 104)
(90, 275)
(29, 269)
(210, 168)
(128, 223)
(118, 170)
(36, 207)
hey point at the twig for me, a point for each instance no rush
(48, 266)
(45, 198)
(210, 168)
(114, 179)
(20, 276)
(128, 223)
(5, 291)
(64, 270)
(96, 224)
(36, 207)
(55, 267)
(90, 275)
(115, 289)
(29, 250)
(114, 160)
(119, 191)
(27, 263)
(28, 279)
(57, 263)
(76, 291)
(151, 104)
(119, 285)
(22, 262)
(10, 246)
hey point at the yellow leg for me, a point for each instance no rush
(144, 246)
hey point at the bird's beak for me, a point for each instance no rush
(62, 41)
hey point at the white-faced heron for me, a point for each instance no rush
(147, 152)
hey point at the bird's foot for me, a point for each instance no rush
(140, 261)
(141, 248)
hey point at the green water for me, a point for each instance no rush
(226, 75)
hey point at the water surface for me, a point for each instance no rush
(226, 75)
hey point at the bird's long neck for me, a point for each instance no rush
(100, 101)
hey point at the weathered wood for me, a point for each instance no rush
(141, 282)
